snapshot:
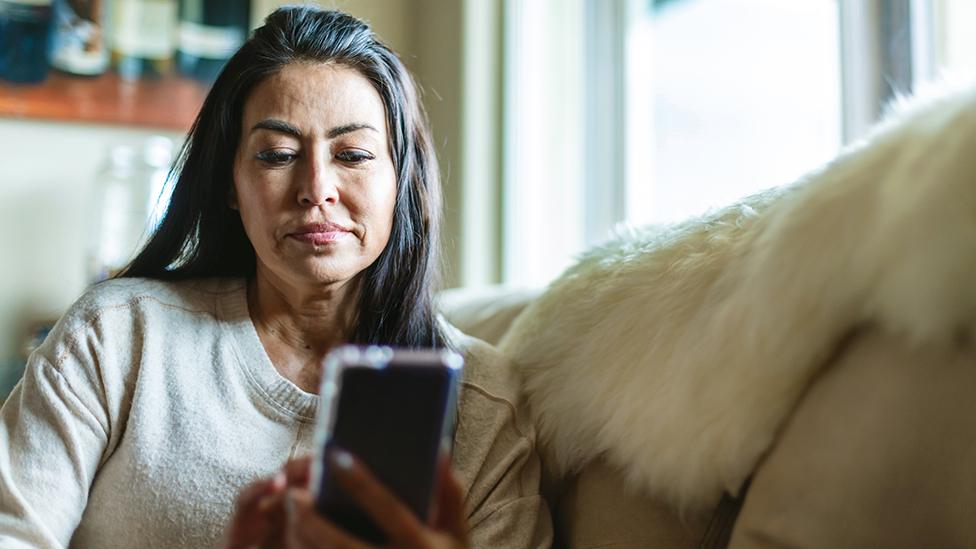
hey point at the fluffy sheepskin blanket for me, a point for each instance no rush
(676, 354)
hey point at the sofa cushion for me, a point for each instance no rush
(599, 510)
(880, 452)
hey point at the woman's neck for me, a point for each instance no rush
(299, 325)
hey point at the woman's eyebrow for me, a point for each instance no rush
(339, 130)
(276, 125)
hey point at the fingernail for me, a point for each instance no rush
(341, 459)
(279, 480)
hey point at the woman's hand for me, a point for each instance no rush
(259, 518)
(305, 528)
(279, 512)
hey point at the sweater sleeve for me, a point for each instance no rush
(51, 442)
(495, 457)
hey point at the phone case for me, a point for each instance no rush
(394, 409)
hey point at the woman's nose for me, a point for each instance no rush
(321, 187)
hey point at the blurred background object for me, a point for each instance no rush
(25, 36)
(80, 44)
(143, 37)
(129, 197)
(11, 369)
(209, 33)
(555, 121)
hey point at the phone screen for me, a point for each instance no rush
(393, 419)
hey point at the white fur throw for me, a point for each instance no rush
(677, 353)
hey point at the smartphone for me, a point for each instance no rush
(394, 410)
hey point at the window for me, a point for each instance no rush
(953, 40)
(729, 97)
(543, 211)
(652, 111)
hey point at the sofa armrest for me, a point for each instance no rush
(485, 313)
(881, 452)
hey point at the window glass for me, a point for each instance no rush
(954, 40)
(725, 98)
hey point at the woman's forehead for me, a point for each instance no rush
(316, 97)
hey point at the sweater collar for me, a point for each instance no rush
(268, 384)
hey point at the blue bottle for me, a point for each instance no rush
(25, 37)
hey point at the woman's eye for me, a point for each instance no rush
(277, 158)
(354, 156)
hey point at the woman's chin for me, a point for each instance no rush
(325, 274)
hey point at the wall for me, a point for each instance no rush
(46, 175)
(434, 57)
(390, 19)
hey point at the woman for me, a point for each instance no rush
(304, 216)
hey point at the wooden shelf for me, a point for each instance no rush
(168, 103)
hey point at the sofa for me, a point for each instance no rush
(792, 370)
(880, 451)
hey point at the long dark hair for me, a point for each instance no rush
(200, 236)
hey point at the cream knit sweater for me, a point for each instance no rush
(151, 404)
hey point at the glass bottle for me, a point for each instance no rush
(210, 31)
(129, 199)
(144, 37)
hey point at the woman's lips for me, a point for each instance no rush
(319, 233)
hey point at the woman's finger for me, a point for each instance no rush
(390, 515)
(306, 528)
(298, 471)
(253, 492)
(257, 514)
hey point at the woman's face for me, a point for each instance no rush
(313, 176)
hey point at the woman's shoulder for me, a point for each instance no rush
(109, 309)
(140, 293)
(494, 446)
(486, 370)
